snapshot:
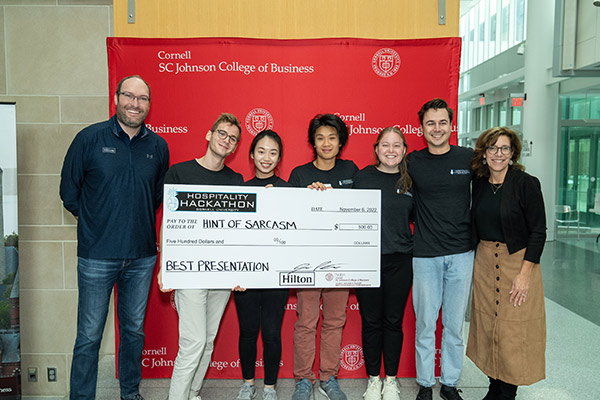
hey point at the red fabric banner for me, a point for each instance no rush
(281, 85)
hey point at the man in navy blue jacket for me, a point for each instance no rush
(111, 181)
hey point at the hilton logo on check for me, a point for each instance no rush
(215, 201)
(296, 279)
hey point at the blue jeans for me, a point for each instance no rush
(444, 282)
(96, 279)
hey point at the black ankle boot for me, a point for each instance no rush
(493, 390)
(506, 391)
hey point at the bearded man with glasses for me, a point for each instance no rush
(111, 181)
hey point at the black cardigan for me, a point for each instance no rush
(522, 213)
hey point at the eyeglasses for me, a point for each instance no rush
(130, 97)
(505, 150)
(224, 136)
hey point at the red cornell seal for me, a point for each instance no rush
(351, 357)
(258, 120)
(385, 62)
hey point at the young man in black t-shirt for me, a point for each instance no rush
(442, 255)
(200, 310)
(327, 134)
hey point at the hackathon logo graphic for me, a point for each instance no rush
(258, 119)
(215, 201)
(172, 202)
(385, 62)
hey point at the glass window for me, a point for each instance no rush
(516, 115)
(583, 176)
(466, 82)
(520, 21)
(564, 107)
(476, 114)
(489, 116)
(579, 165)
(468, 118)
(492, 36)
(504, 24)
(482, 116)
(461, 118)
(594, 107)
(490, 27)
(472, 49)
(502, 114)
(463, 36)
(511, 23)
(481, 50)
(578, 109)
(581, 106)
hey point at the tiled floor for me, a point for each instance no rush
(571, 270)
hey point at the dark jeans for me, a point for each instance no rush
(96, 279)
(382, 312)
(260, 310)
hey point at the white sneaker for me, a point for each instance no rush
(269, 393)
(247, 392)
(373, 391)
(196, 398)
(391, 391)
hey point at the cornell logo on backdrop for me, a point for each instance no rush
(258, 119)
(351, 357)
(385, 62)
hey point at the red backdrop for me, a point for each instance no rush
(281, 84)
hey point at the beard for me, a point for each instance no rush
(129, 121)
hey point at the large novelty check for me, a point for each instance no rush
(255, 237)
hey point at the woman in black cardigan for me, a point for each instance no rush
(507, 337)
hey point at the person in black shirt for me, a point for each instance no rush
(443, 255)
(266, 150)
(507, 336)
(328, 134)
(261, 309)
(382, 309)
(200, 310)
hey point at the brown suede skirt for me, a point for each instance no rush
(506, 342)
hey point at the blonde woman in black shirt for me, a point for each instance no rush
(382, 309)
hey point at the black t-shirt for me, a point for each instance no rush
(192, 173)
(487, 215)
(272, 180)
(340, 176)
(396, 209)
(441, 186)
